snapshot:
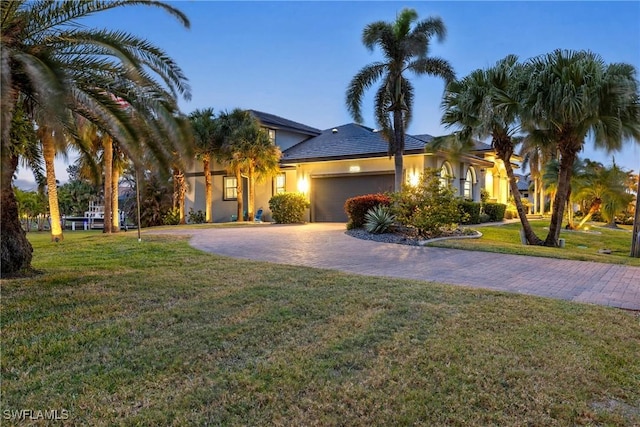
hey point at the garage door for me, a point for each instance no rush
(329, 194)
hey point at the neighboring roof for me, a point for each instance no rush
(481, 146)
(523, 182)
(277, 122)
(348, 141)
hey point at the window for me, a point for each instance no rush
(445, 175)
(230, 188)
(468, 184)
(280, 183)
(272, 134)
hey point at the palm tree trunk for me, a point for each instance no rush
(239, 194)
(16, 249)
(208, 188)
(562, 192)
(252, 193)
(397, 148)
(107, 146)
(179, 191)
(504, 150)
(49, 153)
(115, 193)
(594, 208)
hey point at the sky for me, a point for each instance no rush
(295, 59)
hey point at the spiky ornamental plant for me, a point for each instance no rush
(64, 71)
(378, 219)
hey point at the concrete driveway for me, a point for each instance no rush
(324, 245)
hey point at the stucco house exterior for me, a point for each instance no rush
(333, 165)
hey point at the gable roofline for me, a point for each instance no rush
(277, 122)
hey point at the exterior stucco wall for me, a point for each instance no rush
(287, 139)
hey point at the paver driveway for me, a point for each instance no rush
(325, 245)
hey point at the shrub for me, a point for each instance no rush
(172, 217)
(196, 217)
(357, 207)
(428, 207)
(288, 208)
(469, 211)
(484, 195)
(495, 211)
(378, 219)
(484, 217)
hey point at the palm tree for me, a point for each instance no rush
(244, 148)
(485, 104)
(405, 50)
(65, 70)
(204, 131)
(571, 95)
(261, 156)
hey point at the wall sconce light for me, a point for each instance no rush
(354, 169)
(303, 185)
(413, 178)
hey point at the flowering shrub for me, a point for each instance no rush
(357, 207)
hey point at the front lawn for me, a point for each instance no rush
(580, 245)
(117, 332)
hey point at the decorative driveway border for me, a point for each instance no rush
(325, 245)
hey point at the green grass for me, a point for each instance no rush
(156, 333)
(580, 245)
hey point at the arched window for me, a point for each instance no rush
(469, 180)
(446, 175)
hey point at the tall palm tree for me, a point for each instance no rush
(485, 104)
(246, 150)
(67, 70)
(204, 131)
(405, 48)
(571, 95)
(261, 156)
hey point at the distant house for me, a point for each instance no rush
(333, 165)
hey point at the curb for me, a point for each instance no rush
(470, 236)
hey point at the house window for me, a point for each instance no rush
(230, 188)
(272, 134)
(280, 183)
(468, 184)
(445, 175)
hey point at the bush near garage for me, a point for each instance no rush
(356, 208)
(288, 208)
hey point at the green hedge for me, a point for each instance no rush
(288, 208)
(469, 212)
(495, 211)
(357, 207)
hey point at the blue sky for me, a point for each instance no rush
(295, 59)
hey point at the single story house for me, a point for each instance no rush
(335, 164)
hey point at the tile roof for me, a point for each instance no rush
(523, 182)
(277, 122)
(348, 141)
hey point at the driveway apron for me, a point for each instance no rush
(326, 246)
